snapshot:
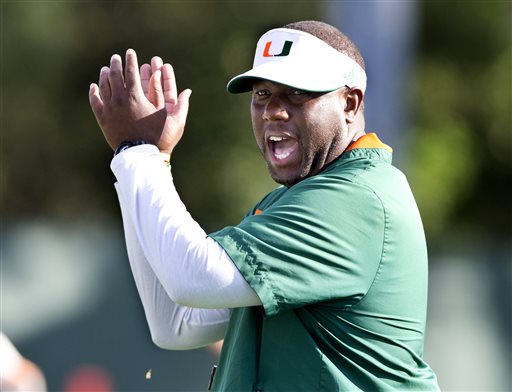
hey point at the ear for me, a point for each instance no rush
(354, 104)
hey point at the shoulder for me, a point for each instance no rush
(268, 200)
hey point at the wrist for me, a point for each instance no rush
(166, 157)
(128, 144)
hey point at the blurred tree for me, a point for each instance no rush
(54, 162)
(461, 165)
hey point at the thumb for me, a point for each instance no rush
(182, 105)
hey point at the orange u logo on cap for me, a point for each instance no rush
(284, 52)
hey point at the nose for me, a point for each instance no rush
(275, 110)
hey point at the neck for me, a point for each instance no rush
(356, 128)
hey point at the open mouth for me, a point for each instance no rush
(282, 147)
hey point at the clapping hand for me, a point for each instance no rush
(130, 106)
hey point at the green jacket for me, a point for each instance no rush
(339, 261)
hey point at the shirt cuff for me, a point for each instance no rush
(145, 153)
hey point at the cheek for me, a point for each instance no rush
(260, 141)
(325, 128)
(257, 128)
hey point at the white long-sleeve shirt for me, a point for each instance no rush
(186, 281)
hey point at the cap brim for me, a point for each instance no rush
(240, 84)
(281, 73)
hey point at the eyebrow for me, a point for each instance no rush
(264, 83)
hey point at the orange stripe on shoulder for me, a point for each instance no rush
(257, 212)
(369, 140)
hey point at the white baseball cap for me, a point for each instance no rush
(300, 60)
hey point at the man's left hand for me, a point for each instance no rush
(125, 112)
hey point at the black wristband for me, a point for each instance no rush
(127, 144)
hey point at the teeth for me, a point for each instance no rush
(276, 138)
(283, 155)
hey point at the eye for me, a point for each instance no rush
(297, 92)
(261, 93)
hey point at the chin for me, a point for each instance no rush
(286, 175)
(286, 181)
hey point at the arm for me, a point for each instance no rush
(172, 326)
(192, 268)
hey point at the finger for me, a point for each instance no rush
(156, 94)
(169, 82)
(104, 85)
(145, 75)
(115, 76)
(155, 85)
(156, 63)
(95, 101)
(132, 77)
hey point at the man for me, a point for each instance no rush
(323, 285)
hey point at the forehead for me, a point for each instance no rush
(274, 87)
(264, 83)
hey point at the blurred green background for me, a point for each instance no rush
(68, 299)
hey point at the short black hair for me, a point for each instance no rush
(330, 35)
